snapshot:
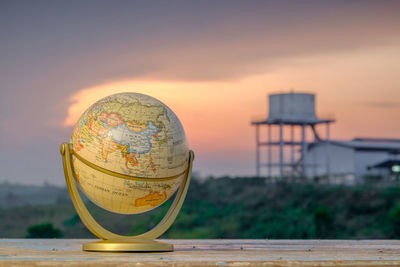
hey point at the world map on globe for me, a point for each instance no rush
(130, 153)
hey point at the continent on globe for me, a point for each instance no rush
(130, 135)
(152, 199)
(138, 142)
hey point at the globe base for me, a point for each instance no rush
(128, 245)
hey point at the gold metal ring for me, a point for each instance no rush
(124, 176)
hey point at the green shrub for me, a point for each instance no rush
(394, 218)
(43, 230)
(323, 220)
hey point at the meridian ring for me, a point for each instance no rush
(124, 176)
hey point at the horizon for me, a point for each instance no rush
(212, 63)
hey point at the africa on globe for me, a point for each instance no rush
(129, 153)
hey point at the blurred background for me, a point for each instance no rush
(292, 109)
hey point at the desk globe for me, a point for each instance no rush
(128, 154)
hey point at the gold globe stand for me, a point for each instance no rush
(113, 242)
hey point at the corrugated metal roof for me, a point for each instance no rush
(390, 145)
(372, 139)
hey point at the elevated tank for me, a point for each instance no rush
(292, 107)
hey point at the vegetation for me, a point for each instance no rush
(43, 230)
(235, 208)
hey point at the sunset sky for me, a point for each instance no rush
(212, 62)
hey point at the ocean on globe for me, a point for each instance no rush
(130, 153)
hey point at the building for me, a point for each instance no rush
(350, 161)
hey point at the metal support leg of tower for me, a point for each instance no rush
(269, 152)
(257, 150)
(292, 150)
(303, 149)
(281, 149)
(314, 160)
(328, 156)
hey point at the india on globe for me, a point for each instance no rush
(129, 153)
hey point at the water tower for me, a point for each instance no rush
(288, 111)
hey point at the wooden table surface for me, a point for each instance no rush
(256, 252)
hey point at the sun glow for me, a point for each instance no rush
(87, 96)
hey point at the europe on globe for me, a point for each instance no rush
(129, 153)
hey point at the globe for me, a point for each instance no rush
(129, 153)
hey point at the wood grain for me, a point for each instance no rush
(68, 252)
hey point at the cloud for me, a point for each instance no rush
(383, 104)
(189, 40)
(248, 40)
